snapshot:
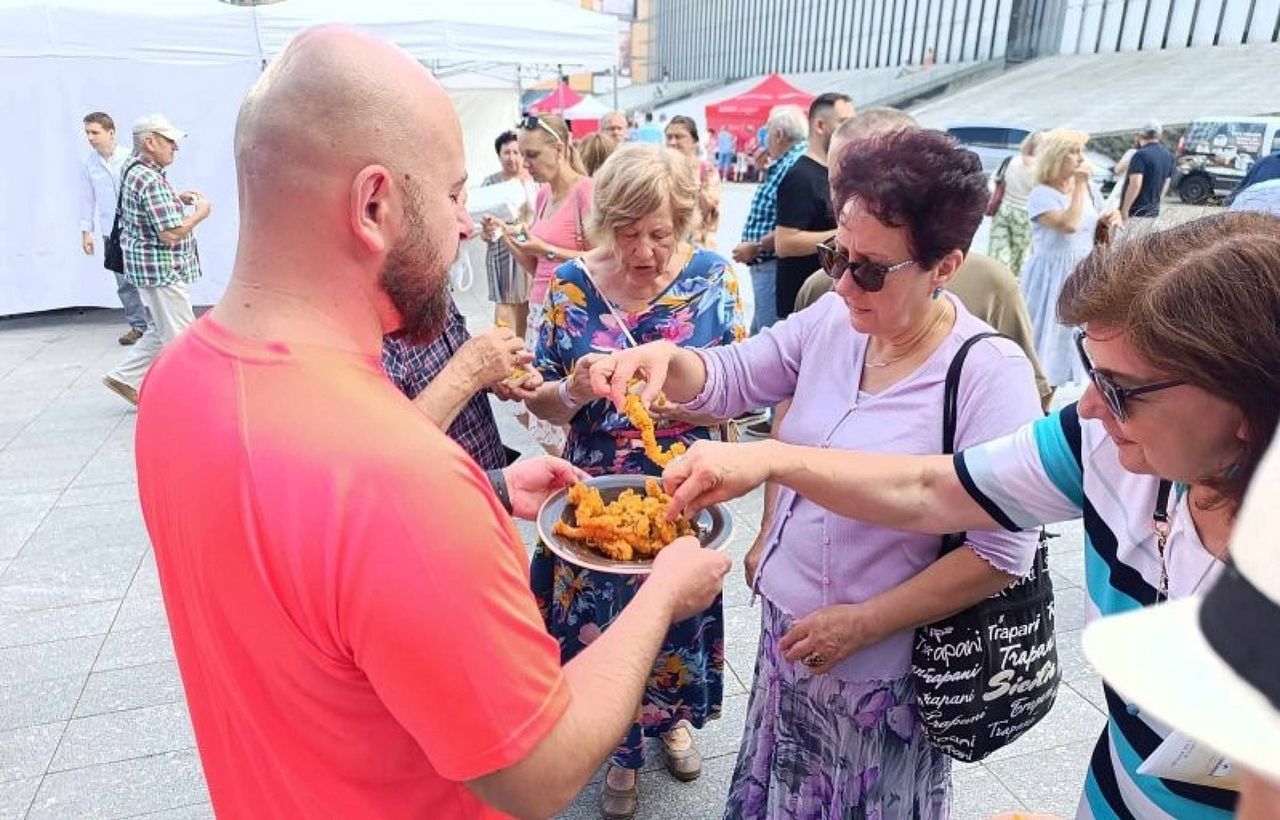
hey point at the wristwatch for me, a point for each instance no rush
(550, 256)
(498, 481)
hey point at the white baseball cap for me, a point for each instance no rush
(1209, 665)
(158, 124)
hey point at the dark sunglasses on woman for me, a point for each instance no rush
(1113, 394)
(867, 275)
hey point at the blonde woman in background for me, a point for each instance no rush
(594, 150)
(558, 232)
(1010, 228)
(1063, 211)
(682, 135)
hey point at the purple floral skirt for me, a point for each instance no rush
(819, 747)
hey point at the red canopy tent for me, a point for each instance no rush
(748, 111)
(557, 101)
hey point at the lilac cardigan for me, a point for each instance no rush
(812, 557)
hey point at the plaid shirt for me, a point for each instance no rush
(151, 205)
(412, 367)
(763, 215)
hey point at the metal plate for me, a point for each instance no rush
(714, 526)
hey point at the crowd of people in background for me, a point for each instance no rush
(352, 609)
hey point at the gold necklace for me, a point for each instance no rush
(911, 348)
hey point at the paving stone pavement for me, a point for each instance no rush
(92, 718)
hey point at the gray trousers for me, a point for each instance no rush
(135, 313)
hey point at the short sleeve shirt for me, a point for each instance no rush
(1061, 467)
(148, 206)
(1155, 163)
(350, 606)
(804, 203)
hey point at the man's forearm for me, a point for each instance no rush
(793, 242)
(606, 681)
(175, 235)
(1130, 194)
(912, 493)
(445, 396)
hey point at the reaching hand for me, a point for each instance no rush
(519, 389)
(612, 374)
(531, 480)
(746, 252)
(713, 471)
(492, 357)
(689, 576)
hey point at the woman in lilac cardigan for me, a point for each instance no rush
(832, 726)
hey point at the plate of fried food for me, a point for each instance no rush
(618, 524)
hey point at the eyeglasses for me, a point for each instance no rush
(869, 276)
(532, 123)
(1113, 394)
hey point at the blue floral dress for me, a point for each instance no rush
(700, 308)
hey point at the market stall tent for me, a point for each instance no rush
(746, 112)
(193, 60)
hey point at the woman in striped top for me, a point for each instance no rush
(1181, 339)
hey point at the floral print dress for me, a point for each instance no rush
(700, 308)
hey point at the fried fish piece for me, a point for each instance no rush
(639, 417)
(630, 527)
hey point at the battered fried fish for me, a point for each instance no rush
(628, 528)
(639, 416)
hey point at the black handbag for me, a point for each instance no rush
(112, 255)
(986, 675)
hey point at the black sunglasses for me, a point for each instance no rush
(532, 123)
(869, 276)
(1113, 394)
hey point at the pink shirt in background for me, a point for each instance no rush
(812, 557)
(565, 227)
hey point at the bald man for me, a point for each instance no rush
(349, 600)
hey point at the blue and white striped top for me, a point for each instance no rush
(1059, 468)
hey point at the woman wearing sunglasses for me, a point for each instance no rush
(558, 233)
(832, 727)
(1181, 344)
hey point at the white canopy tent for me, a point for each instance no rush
(193, 60)
(588, 108)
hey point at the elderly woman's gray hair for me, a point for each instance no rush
(636, 181)
(790, 121)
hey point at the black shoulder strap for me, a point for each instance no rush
(951, 390)
(1161, 512)
(115, 222)
(950, 409)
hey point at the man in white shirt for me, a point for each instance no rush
(100, 183)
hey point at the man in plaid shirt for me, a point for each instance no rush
(158, 246)
(787, 129)
(447, 380)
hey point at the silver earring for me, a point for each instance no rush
(937, 292)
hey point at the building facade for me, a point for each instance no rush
(696, 39)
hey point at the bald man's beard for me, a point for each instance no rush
(415, 278)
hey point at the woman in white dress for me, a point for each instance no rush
(1063, 210)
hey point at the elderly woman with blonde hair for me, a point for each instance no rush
(1063, 210)
(643, 282)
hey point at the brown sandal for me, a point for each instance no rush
(618, 804)
(684, 764)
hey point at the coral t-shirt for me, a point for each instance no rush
(350, 605)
